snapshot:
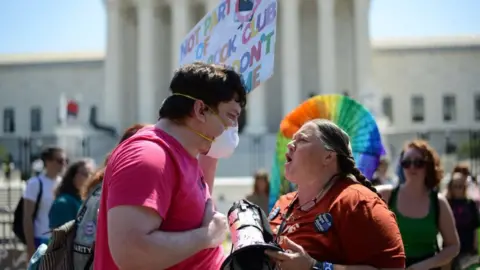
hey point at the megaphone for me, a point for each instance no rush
(251, 236)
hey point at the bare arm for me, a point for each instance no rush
(475, 239)
(451, 243)
(28, 208)
(385, 191)
(475, 223)
(133, 233)
(209, 167)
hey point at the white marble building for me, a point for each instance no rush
(430, 86)
(316, 41)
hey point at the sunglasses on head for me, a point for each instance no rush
(416, 163)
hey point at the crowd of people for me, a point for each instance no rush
(149, 205)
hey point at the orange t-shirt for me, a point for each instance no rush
(350, 225)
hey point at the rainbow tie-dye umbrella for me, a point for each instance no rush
(349, 115)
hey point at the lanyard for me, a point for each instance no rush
(284, 219)
(291, 205)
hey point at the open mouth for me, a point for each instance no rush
(288, 158)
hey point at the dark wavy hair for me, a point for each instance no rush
(337, 140)
(49, 153)
(434, 170)
(210, 83)
(67, 186)
(97, 177)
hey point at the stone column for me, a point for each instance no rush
(147, 65)
(290, 53)
(114, 64)
(129, 94)
(257, 111)
(326, 41)
(164, 72)
(180, 28)
(362, 54)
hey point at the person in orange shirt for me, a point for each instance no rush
(335, 219)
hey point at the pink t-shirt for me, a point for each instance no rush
(152, 169)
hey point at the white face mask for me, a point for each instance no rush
(224, 145)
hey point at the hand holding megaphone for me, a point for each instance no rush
(251, 236)
(293, 258)
(216, 224)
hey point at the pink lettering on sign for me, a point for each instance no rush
(258, 23)
(243, 18)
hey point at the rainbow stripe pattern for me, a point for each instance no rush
(349, 115)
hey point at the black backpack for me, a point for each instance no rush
(18, 214)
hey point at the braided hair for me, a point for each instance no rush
(337, 140)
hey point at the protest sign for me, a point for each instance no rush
(238, 33)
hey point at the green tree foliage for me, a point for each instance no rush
(470, 149)
(3, 153)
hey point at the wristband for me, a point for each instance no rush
(327, 266)
(322, 266)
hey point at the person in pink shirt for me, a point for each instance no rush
(155, 210)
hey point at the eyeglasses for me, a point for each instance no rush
(416, 163)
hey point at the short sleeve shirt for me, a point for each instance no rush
(41, 226)
(350, 225)
(152, 169)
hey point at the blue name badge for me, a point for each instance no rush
(323, 222)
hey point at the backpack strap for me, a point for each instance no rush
(393, 196)
(436, 213)
(78, 219)
(89, 263)
(39, 197)
(83, 207)
(436, 208)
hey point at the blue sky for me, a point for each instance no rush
(28, 26)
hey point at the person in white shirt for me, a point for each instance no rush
(37, 229)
